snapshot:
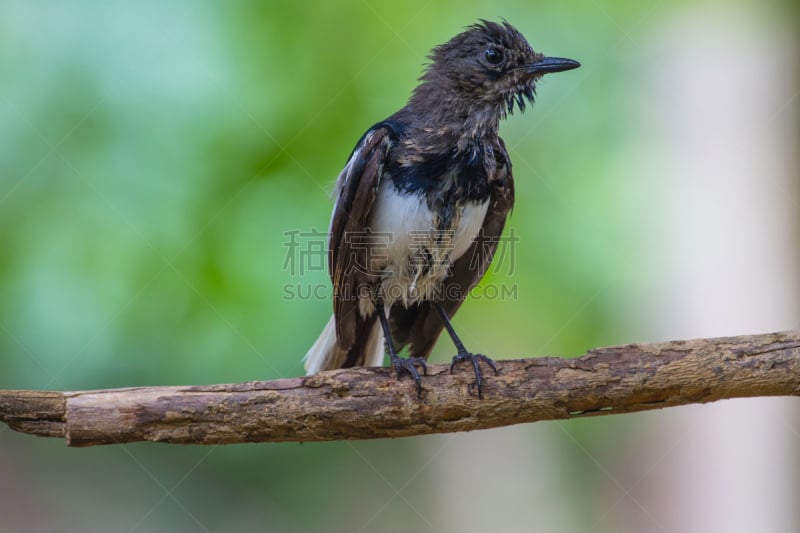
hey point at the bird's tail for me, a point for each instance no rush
(326, 354)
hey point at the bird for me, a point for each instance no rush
(421, 203)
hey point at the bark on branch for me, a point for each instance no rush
(367, 403)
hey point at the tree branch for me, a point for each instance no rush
(367, 403)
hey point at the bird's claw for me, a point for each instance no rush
(474, 358)
(409, 366)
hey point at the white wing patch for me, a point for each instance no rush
(468, 227)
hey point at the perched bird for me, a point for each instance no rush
(421, 203)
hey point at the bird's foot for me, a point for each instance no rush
(474, 358)
(409, 366)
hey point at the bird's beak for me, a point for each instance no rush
(551, 64)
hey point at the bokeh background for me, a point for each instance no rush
(154, 155)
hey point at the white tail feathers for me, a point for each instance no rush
(325, 353)
(374, 351)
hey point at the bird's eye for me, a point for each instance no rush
(493, 56)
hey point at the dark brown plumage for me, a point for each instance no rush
(435, 178)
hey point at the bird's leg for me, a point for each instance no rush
(463, 354)
(401, 364)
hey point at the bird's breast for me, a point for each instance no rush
(410, 225)
(402, 220)
(419, 250)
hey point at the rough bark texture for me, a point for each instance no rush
(368, 403)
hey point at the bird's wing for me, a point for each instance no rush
(355, 193)
(419, 325)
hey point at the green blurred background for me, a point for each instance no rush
(154, 155)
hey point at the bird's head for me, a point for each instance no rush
(488, 68)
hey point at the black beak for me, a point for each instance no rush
(551, 64)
